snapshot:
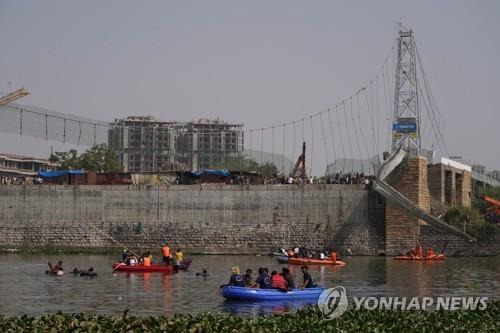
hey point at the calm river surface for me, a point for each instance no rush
(26, 289)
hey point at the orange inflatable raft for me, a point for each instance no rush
(305, 261)
(431, 258)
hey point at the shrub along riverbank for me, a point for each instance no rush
(307, 320)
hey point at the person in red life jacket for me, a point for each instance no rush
(278, 281)
(333, 256)
(430, 253)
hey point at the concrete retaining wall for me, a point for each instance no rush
(206, 218)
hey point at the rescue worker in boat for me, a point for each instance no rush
(236, 279)
(419, 251)
(179, 256)
(167, 256)
(333, 256)
(146, 260)
(430, 253)
(263, 281)
(124, 255)
(288, 278)
(308, 281)
(278, 281)
(248, 278)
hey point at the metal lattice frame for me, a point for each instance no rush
(406, 108)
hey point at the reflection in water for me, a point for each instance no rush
(26, 289)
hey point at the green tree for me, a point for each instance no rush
(99, 158)
(67, 160)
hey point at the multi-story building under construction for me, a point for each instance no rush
(145, 144)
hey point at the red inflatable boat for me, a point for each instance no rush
(155, 268)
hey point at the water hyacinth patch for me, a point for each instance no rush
(306, 320)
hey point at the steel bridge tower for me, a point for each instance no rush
(406, 120)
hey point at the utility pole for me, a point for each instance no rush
(406, 120)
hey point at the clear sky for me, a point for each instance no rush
(255, 62)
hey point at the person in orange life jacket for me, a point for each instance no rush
(333, 256)
(167, 256)
(278, 281)
(147, 259)
(429, 253)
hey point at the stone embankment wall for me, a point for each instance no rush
(203, 219)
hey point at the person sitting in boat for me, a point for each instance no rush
(296, 252)
(179, 256)
(278, 281)
(419, 250)
(167, 256)
(288, 278)
(333, 256)
(263, 281)
(146, 260)
(430, 253)
(322, 256)
(248, 278)
(413, 253)
(308, 281)
(236, 279)
(132, 260)
(124, 255)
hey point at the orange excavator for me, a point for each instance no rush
(493, 212)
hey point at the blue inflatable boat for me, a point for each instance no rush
(256, 294)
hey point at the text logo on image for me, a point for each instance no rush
(333, 302)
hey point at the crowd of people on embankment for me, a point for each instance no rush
(349, 178)
(27, 180)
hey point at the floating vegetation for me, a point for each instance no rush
(305, 320)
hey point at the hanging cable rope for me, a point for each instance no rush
(324, 139)
(312, 148)
(341, 140)
(347, 132)
(262, 148)
(283, 151)
(356, 135)
(332, 135)
(272, 147)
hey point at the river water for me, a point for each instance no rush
(26, 289)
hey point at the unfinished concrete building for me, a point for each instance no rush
(145, 144)
(449, 183)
